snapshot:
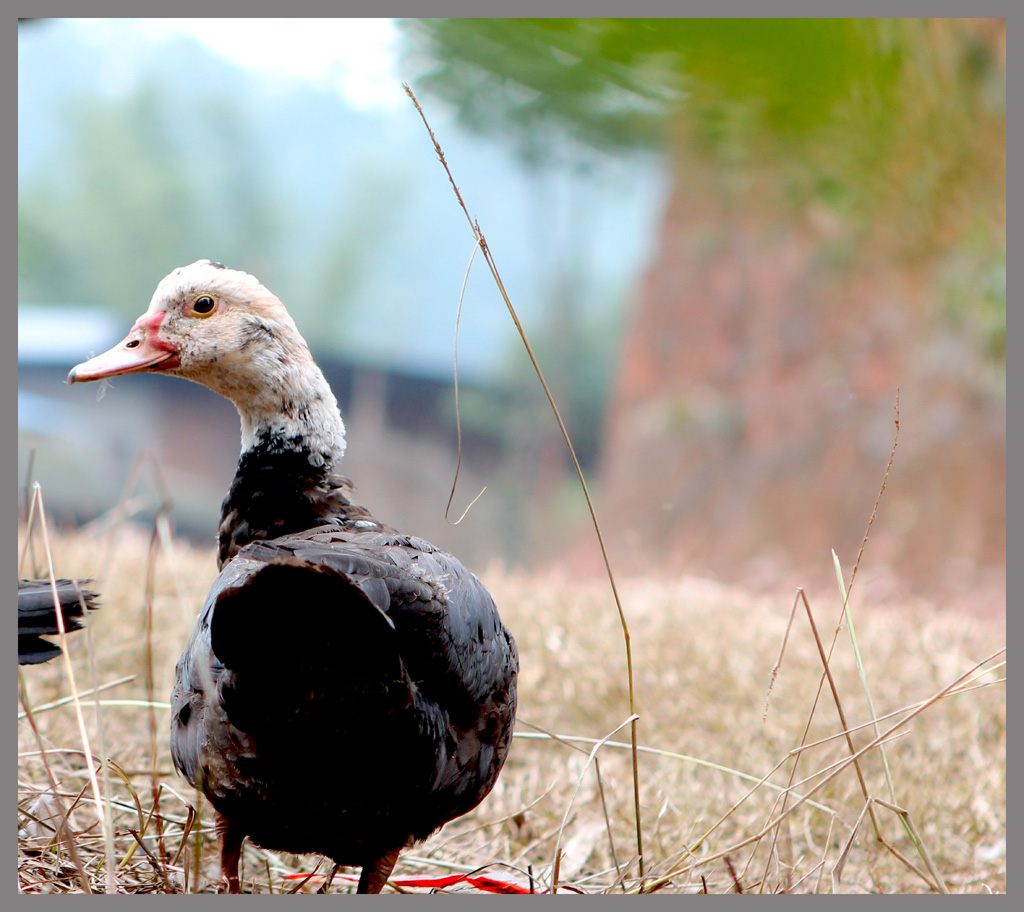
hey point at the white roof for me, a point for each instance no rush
(51, 335)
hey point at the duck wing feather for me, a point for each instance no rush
(37, 616)
(369, 660)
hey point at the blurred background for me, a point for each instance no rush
(730, 242)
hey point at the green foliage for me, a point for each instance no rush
(162, 175)
(137, 192)
(532, 73)
(974, 303)
(616, 83)
(895, 126)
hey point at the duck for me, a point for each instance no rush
(347, 689)
(37, 616)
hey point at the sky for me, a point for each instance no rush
(356, 57)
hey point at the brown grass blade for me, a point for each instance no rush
(481, 240)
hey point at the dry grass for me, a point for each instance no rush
(702, 655)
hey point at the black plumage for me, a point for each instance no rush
(364, 695)
(37, 616)
(347, 689)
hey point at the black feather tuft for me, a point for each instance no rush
(37, 616)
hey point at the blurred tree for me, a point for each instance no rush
(861, 115)
(140, 188)
(614, 83)
(836, 229)
(161, 175)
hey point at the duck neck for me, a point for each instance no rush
(293, 439)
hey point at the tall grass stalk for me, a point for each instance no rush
(37, 512)
(488, 257)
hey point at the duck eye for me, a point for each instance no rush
(203, 305)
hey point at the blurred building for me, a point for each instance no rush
(148, 437)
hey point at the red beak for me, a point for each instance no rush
(141, 350)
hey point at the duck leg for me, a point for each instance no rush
(231, 839)
(376, 873)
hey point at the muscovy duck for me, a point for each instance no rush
(37, 616)
(347, 689)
